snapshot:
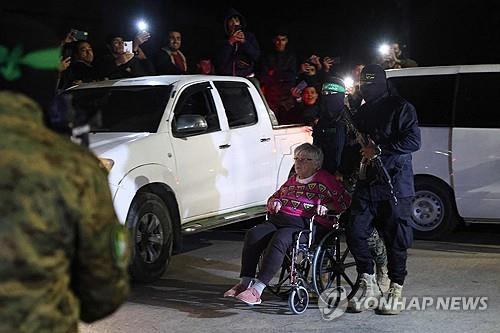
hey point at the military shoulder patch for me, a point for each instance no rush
(119, 246)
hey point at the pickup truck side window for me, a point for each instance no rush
(238, 103)
(476, 106)
(431, 95)
(197, 100)
(123, 109)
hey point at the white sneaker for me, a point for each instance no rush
(367, 296)
(393, 303)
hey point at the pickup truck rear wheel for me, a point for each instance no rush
(151, 230)
(433, 213)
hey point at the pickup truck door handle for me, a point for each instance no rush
(224, 146)
(265, 139)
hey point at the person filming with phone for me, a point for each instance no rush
(125, 59)
(239, 52)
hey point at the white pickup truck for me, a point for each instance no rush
(185, 154)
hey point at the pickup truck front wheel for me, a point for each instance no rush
(151, 230)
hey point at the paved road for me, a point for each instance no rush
(189, 296)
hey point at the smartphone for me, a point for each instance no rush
(302, 84)
(127, 47)
(67, 51)
(79, 35)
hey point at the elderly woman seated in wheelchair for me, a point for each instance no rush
(311, 192)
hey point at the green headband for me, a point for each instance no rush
(44, 59)
(330, 87)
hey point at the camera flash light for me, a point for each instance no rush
(349, 82)
(384, 49)
(141, 25)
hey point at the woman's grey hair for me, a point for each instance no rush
(310, 151)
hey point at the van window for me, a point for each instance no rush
(238, 103)
(431, 95)
(197, 100)
(476, 98)
(123, 109)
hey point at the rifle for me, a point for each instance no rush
(365, 140)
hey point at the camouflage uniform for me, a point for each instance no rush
(63, 254)
(377, 248)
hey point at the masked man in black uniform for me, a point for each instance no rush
(329, 131)
(391, 124)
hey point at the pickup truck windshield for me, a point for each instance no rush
(123, 109)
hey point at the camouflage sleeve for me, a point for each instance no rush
(100, 277)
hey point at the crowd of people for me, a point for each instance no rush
(289, 85)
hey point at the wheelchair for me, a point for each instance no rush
(313, 267)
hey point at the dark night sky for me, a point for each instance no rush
(435, 32)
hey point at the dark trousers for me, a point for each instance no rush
(394, 227)
(274, 237)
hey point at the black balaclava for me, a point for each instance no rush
(29, 58)
(373, 82)
(332, 99)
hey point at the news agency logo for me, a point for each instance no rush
(332, 303)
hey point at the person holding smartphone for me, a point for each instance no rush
(239, 52)
(119, 64)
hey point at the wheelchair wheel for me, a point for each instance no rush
(298, 301)
(334, 266)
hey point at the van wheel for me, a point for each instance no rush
(151, 231)
(433, 213)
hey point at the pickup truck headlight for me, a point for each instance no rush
(107, 163)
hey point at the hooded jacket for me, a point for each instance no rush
(238, 59)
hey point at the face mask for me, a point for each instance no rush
(332, 99)
(371, 91)
(332, 104)
(373, 82)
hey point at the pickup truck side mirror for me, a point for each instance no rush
(190, 124)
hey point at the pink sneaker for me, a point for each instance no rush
(250, 296)
(237, 289)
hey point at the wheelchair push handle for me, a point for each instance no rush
(331, 215)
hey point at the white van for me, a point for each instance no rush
(457, 170)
